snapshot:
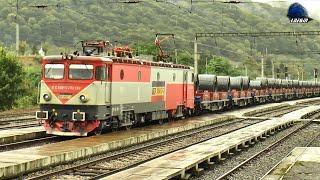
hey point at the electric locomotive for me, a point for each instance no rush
(81, 94)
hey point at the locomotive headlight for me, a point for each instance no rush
(47, 97)
(83, 98)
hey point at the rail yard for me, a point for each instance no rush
(235, 144)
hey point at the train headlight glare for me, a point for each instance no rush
(47, 97)
(83, 98)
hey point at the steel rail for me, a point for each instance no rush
(28, 142)
(132, 151)
(233, 170)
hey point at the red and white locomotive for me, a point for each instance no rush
(83, 94)
(88, 93)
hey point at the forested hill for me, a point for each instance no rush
(62, 23)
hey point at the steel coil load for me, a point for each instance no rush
(207, 82)
(290, 83)
(255, 84)
(295, 83)
(236, 83)
(284, 83)
(272, 82)
(278, 83)
(304, 84)
(264, 81)
(246, 82)
(312, 83)
(223, 83)
(307, 84)
(300, 84)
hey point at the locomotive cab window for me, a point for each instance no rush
(80, 71)
(192, 77)
(101, 73)
(54, 71)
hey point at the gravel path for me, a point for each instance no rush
(263, 164)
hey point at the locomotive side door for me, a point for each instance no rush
(185, 87)
(108, 85)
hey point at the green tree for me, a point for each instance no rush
(31, 77)
(11, 75)
(185, 58)
(221, 66)
(23, 47)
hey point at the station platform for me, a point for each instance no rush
(302, 101)
(15, 135)
(301, 163)
(253, 110)
(13, 163)
(298, 114)
(179, 163)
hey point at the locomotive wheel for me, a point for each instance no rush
(98, 131)
(115, 124)
(100, 128)
(128, 127)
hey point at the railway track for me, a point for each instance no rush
(18, 112)
(19, 122)
(308, 103)
(31, 143)
(276, 112)
(113, 162)
(230, 173)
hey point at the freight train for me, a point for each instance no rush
(85, 94)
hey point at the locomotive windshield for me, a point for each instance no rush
(54, 71)
(80, 71)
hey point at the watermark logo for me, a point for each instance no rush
(298, 14)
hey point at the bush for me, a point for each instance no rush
(11, 79)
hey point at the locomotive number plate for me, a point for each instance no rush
(65, 96)
(158, 91)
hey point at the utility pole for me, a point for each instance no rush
(298, 71)
(59, 12)
(273, 75)
(262, 62)
(176, 55)
(262, 66)
(246, 69)
(17, 27)
(302, 72)
(195, 56)
(206, 65)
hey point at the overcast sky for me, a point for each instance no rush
(313, 6)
